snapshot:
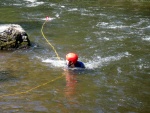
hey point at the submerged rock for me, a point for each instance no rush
(13, 36)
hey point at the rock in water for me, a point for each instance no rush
(13, 36)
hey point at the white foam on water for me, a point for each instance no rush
(33, 3)
(105, 38)
(30, 0)
(62, 6)
(73, 9)
(141, 22)
(102, 24)
(89, 14)
(119, 70)
(99, 62)
(146, 39)
(111, 25)
(55, 62)
(17, 4)
(57, 15)
(52, 4)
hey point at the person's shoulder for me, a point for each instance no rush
(80, 64)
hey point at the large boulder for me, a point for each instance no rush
(13, 36)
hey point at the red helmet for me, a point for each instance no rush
(72, 57)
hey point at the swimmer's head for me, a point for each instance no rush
(72, 57)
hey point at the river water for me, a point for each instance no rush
(111, 38)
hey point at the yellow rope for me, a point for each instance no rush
(27, 91)
(48, 41)
(24, 92)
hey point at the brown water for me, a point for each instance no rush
(111, 38)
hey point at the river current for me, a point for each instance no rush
(111, 38)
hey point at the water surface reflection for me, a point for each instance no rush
(71, 83)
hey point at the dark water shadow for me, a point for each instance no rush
(6, 76)
(81, 71)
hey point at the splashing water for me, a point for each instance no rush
(54, 62)
(98, 61)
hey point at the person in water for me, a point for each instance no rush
(72, 61)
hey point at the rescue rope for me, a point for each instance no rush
(31, 89)
(48, 41)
